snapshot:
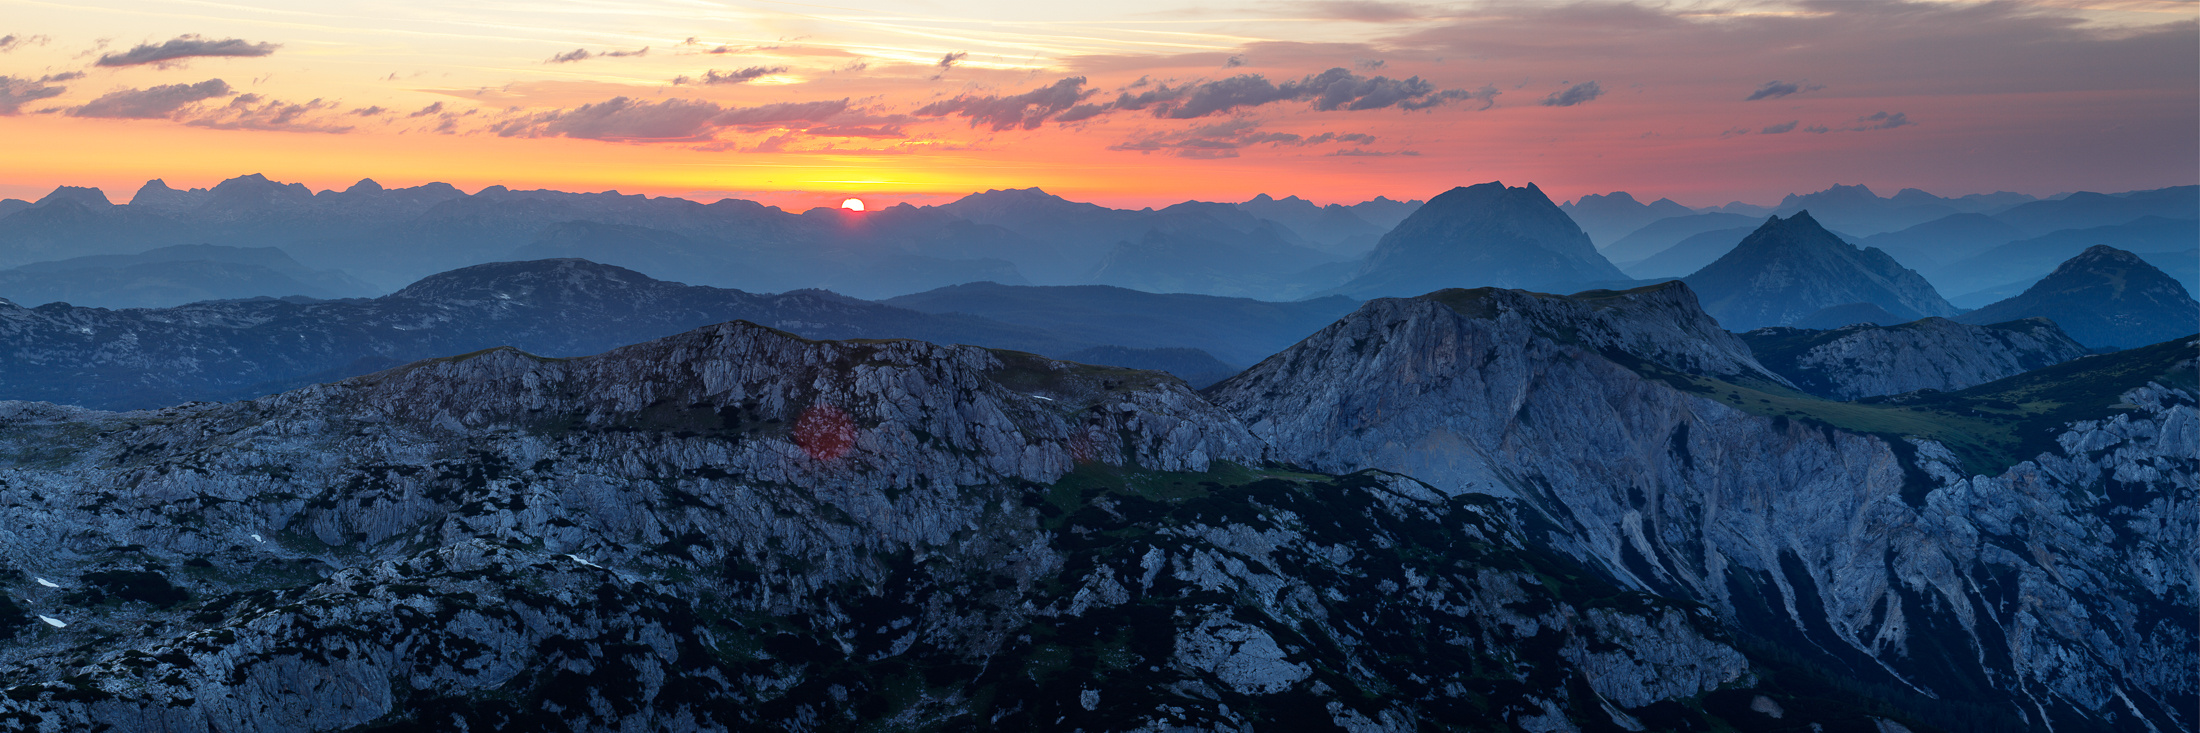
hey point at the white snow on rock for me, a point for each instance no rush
(53, 622)
(47, 583)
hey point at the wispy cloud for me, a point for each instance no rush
(186, 46)
(1776, 89)
(1882, 121)
(1787, 126)
(14, 93)
(253, 112)
(1573, 95)
(582, 54)
(672, 120)
(1028, 110)
(1225, 139)
(11, 41)
(153, 102)
(738, 76)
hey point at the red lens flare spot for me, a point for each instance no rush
(825, 433)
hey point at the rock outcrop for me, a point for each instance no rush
(1995, 588)
(1866, 360)
(736, 528)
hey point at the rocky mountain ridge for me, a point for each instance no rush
(1807, 526)
(1867, 360)
(735, 528)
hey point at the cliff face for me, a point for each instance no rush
(737, 528)
(1865, 360)
(1939, 588)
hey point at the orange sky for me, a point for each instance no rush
(1579, 98)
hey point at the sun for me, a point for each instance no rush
(852, 204)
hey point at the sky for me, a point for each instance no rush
(1126, 103)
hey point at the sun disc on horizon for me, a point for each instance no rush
(852, 204)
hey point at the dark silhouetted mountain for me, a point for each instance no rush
(10, 206)
(1197, 368)
(1194, 248)
(232, 349)
(156, 194)
(175, 275)
(1608, 217)
(1661, 235)
(1936, 243)
(1334, 229)
(1791, 268)
(1847, 314)
(1857, 210)
(1189, 247)
(1384, 212)
(1865, 360)
(2027, 260)
(751, 266)
(1481, 235)
(1235, 330)
(2105, 298)
(2085, 209)
(2182, 266)
(1690, 254)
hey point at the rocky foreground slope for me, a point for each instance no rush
(736, 528)
(2009, 557)
(1866, 360)
(1619, 520)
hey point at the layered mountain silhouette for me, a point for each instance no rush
(1791, 268)
(1608, 217)
(244, 348)
(2105, 298)
(1689, 255)
(2029, 259)
(1482, 235)
(1338, 229)
(1663, 234)
(1236, 330)
(169, 276)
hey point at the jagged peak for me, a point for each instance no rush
(81, 195)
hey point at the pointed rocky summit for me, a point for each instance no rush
(1791, 268)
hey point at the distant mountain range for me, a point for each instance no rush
(222, 350)
(1485, 235)
(169, 276)
(391, 236)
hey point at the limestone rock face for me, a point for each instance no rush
(736, 528)
(1864, 360)
(2017, 591)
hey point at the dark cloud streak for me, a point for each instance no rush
(186, 46)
